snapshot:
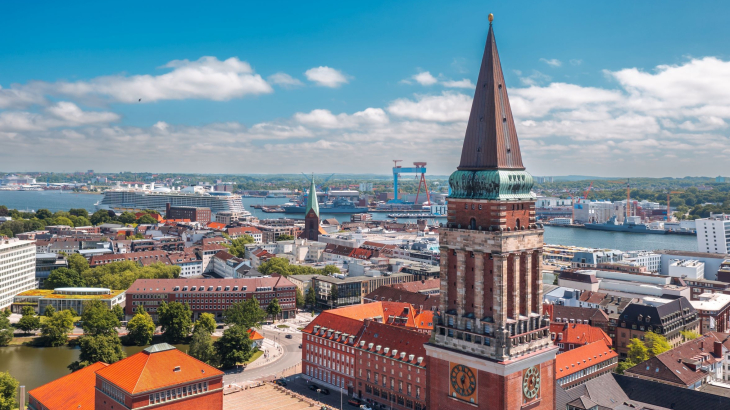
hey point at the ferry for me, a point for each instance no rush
(157, 199)
(338, 206)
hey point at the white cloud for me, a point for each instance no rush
(285, 80)
(325, 118)
(446, 107)
(206, 78)
(465, 83)
(535, 78)
(19, 97)
(553, 62)
(326, 76)
(425, 78)
(61, 114)
(576, 61)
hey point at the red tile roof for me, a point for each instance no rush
(582, 358)
(144, 258)
(216, 226)
(146, 371)
(578, 334)
(394, 313)
(418, 285)
(254, 335)
(398, 340)
(168, 285)
(73, 391)
(243, 230)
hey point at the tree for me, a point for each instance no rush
(201, 347)
(80, 221)
(334, 295)
(118, 310)
(273, 309)
(98, 319)
(311, 298)
(638, 352)
(330, 269)
(99, 217)
(284, 237)
(50, 310)
(657, 344)
(64, 278)
(622, 366)
(105, 348)
(234, 347)
(6, 331)
(140, 328)
(29, 321)
(206, 322)
(62, 220)
(275, 265)
(246, 313)
(127, 218)
(55, 329)
(78, 263)
(4, 210)
(121, 275)
(238, 246)
(8, 391)
(299, 298)
(43, 214)
(689, 335)
(175, 319)
(146, 220)
(79, 212)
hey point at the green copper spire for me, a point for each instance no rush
(312, 199)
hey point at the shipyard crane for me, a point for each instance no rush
(418, 168)
(585, 195)
(668, 194)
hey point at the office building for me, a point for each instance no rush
(17, 268)
(66, 298)
(584, 363)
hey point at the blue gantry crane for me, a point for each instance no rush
(418, 168)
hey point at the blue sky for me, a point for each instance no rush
(71, 73)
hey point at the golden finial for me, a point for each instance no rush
(491, 18)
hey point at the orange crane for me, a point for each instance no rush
(668, 194)
(585, 194)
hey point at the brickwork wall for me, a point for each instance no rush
(492, 213)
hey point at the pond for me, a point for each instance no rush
(36, 366)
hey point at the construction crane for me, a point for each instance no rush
(319, 187)
(585, 195)
(422, 165)
(668, 194)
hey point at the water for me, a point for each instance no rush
(57, 200)
(36, 366)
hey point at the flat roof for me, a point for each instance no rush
(48, 294)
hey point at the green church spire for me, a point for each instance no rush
(312, 199)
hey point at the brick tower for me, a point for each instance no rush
(490, 347)
(311, 217)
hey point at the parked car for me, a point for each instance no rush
(313, 387)
(281, 382)
(354, 402)
(300, 345)
(288, 336)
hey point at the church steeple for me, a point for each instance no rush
(491, 138)
(312, 203)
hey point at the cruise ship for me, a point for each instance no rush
(157, 199)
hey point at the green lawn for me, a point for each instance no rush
(254, 357)
(282, 326)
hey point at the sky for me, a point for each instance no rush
(618, 88)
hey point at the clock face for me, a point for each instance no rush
(531, 382)
(463, 381)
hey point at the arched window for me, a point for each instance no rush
(517, 224)
(473, 224)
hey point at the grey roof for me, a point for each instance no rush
(160, 347)
(667, 396)
(583, 402)
(692, 254)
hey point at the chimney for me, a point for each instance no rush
(21, 398)
(717, 349)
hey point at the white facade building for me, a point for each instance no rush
(17, 268)
(691, 269)
(652, 261)
(596, 212)
(551, 201)
(713, 233)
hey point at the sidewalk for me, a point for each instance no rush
(272, 352)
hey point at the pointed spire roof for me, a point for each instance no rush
(312, 199)
(491, 138)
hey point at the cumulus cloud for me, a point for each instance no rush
(61, 114)
(553, 62)
(326, 76)
(285, 80)
(465, 83)
(19, 97)
(446, 107)
(424, 78)
(325, 118)
(206, 78)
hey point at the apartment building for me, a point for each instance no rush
(713, 233)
